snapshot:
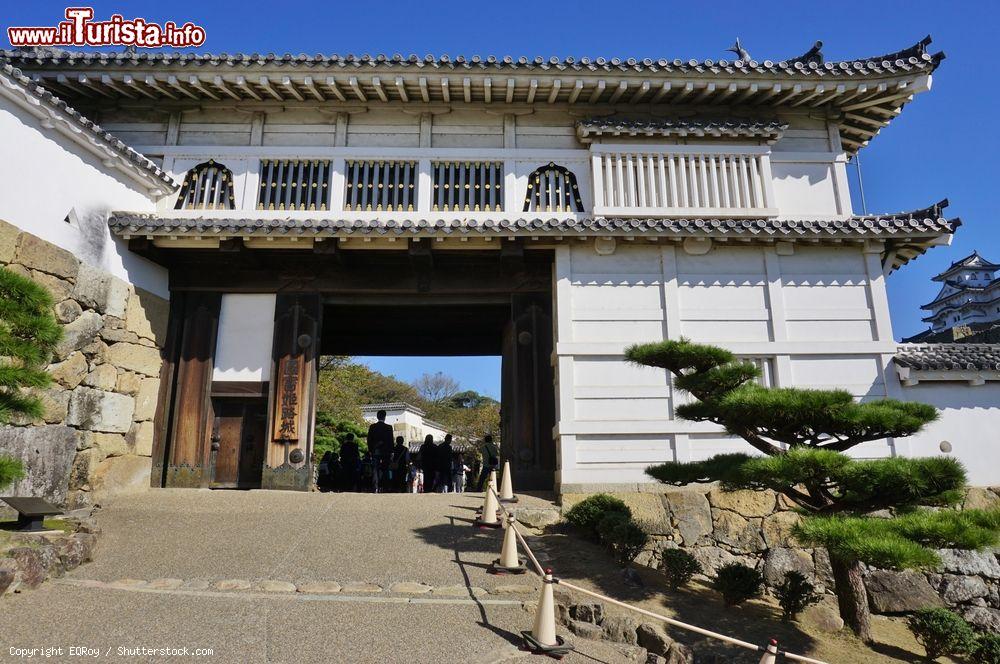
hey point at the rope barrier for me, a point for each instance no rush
(670, 621)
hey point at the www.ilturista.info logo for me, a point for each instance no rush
(79, 29)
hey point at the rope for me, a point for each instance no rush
(650, 614)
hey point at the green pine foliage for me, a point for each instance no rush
(587, 514)
(986, 649)
(678, 567)
(11, 471)
(620, 533)
(941, 632)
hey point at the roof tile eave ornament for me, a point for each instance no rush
(772, 130)
(14, 79)
(907, 60)
(948, 357)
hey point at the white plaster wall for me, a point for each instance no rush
(246, 333)
(969, 420)
(45, 175)
(817, 313)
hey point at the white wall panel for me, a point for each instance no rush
(246, 332)
(830, 330)
(804, 189)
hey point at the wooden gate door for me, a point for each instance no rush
(528, 392)
(238, 438)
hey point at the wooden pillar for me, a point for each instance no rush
(287, 465)
(187, 456)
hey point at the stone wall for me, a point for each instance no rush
(95, 438)
(754, 528)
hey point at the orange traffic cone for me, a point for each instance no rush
(508, 562)
(770, 653)
(488, 517)
(542, 639)
(506, 485)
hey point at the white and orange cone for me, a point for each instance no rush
(770, 653)
(543, 638)
(507, 485)
(488, 517)
(508, 562)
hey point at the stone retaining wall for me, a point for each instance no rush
(96, 436)
(754, 528)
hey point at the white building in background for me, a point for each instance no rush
(407, 421)
(969, 295)
(549, 211)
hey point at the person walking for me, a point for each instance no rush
(458, 471)
(350, 463)
(398, 466)
(491, 461)
(324, 479)
(428, 462)
(443, 456)
(380, 447)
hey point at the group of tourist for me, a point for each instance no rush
(389, 467)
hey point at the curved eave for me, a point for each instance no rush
(865, 94)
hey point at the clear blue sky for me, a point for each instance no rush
(945, 144)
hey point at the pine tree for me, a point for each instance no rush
(803, 434)
(28, 335)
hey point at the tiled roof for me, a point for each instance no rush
(949, 357)
(391, 405)
(771, 130)
(973, 262)
(76, 121)
(914, 58)
(919, 223)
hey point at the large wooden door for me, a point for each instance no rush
(238, 440)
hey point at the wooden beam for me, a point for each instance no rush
(641, 92)
(286, 81)
(89, 83)
(707, 92)
(747, 93)
(684, 92)
(662, 92)
(619, 91)
(510, 90)
(425, 93)
(130, 81)
(221, 84)
(310, 85)
(598, 91)
(575, 92)
(488, 90)
(241, 82)
(196, 83)
(532, 89)
(467, 89)
(352, 82)
(175, 84)
(554, 92)
(113, 84)
(817, 92)
(377, 84)
(445, 91)
(331, 83)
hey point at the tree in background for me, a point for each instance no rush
(28, 335)
(436, 386)
(803, 434)
(331, 432)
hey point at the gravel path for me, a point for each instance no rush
(287, 577)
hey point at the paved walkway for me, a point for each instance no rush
(287, 577)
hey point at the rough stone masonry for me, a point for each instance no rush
(95, 438)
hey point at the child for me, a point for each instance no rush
(458, 471)
(415, 479)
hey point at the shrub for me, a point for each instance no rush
(738, 583)
(795, 595)
(11, 470)
(622, 535)
(986, 649)
(678, 566)
(587, 513)
(941, 632)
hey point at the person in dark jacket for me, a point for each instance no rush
(428, 462)
(398, 465)
(350, 463)
(380, 446)
(491, 461)
(442, 457)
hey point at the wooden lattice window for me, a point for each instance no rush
(552, 188)
(381, 185)
(207, 186)
(470, 186)
(294, 184)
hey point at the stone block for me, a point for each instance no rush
(711, 558)
(70, 372)
(680, 654)
(96, 289)
(8, 568)
(47, 453)
(956, 589)
(271, 586)
(232, 584)
(979, 498)
(111, 444)
(900, 592)
(134, 357)
(119, 476)
(68, 311)
(738, 532)
(649, 510)
(780, 560)
(55, 404)
(823, 617)
(777, 528)
(533, 517)
(983, 618)
(34, 564)
(745, 502)
(980, 563)
(147, 315)
(37, 254)
(140, 438)
(654, 639)
(8, 242)
(145, 403)
(59, 289)
(410, 588)
(691, 514)
(97, 352)
(113, 335)
(591, 612)
(79, 333)
(822, 567)
(84, 467)
(585, 630)
(620, 629)
(129, 383)
(97, 410)
(72, 552)
(319, 587)
(103, 377)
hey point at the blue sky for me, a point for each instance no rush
(945, 144)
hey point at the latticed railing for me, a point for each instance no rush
(380, 186)
(470, 186)
(294, 184)
(681, 181)
(207, 186)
